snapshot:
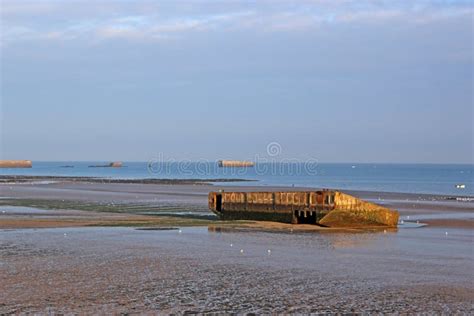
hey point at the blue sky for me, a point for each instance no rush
(336, 81)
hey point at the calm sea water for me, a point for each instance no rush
(411, 178)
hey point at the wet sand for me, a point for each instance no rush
(162, 199)
(222, 267)
(124, 270)
(14, 179)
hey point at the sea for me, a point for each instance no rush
(446, 179)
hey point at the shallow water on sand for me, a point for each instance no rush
(451, 215)
(191, 269)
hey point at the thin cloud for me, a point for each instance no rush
(156, 23)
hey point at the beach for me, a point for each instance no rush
(188, 199)
(244, 158)
(72, 245)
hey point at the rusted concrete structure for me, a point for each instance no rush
(16, 164)
(235, 163)
(325, 208)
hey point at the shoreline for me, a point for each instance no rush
(182, 203)
(38, 179)
(16, 179)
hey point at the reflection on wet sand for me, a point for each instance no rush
(102, 270)
(157, 263)
(339, 238)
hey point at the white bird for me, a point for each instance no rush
(231, 245)
(269, 251)
(241, 251)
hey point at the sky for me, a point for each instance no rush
(335, 81)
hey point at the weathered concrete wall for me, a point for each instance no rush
(278, 200)
(350, 211)
(283, 217)
(16, 164)
(328, 208)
